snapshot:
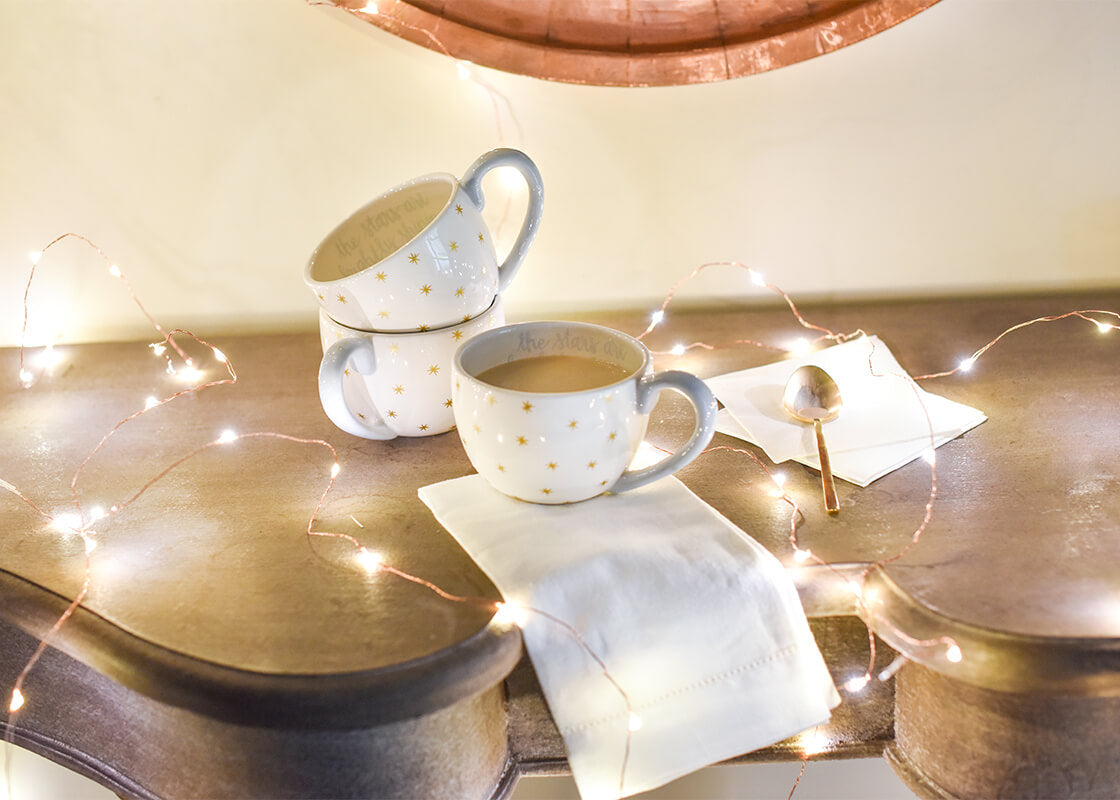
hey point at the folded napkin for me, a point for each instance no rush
(698, 623)
(885, 422)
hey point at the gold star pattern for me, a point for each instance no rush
(591, 464)
(433, 369)
(612, 436)
(480, 238)
(477, 429)
(526, 406)
(501, 468)
(458, 335)
(321, 297)
(459, 209)
(426, 289)
(361, 415)
(394, 348)
(546, 491)
(552, 465)
(460, 291)
(413, 258)
(573, 424)
(447, 403)
(454, 246)
(346, 372)
(399, 389)
(383, 314)
(342, 299)
(521, 440)
(381, 276)
(467, 318)
(390, 413)
(424, 427)
(491, 399)
(424, 327)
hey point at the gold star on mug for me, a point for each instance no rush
(433, 369)
(459, 209)
(526, 406)
(552, 465)
(423, 328)
(398, 389)
(521, 440)
(591, 464)
(460, 291)
(426, 289)
(381, 276)
(390, 413)
(454, 246)
(501, 468)
(394, 348)
(546, 491)
(612, 436)
(342, 299)
(573, 424)
(480, 237)
(424, 427)
(458, 335)
(447, 403)
(383, 314)
(413, 258)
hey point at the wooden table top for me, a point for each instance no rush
(207, 586)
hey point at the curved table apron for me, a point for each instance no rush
(222, 652)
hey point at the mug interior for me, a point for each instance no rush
(532, 339)
(381, 228)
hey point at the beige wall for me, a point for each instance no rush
(207, 145)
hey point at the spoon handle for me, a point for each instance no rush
(831, 503)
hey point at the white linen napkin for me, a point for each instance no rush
(698, 623)
(882, 426)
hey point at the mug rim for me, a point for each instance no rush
(494, 305)
(431, 177)
(480, 339)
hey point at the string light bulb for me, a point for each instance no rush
(757, 278)
(509, 613)
(369, 8)
(678, 350)
(634, 723)
(967, 363)
(227, 436)
(368, 560)
(17, 701)
(953, 654)
(114, 270)
(857, 684)
(656, 317)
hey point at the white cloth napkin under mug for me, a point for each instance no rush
(882, 426)
(697, 622)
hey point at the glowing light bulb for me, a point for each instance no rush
(35, 256)
(49, 358)
(813, 742)
(114, 270)
(800, 347)
(368, 560)
(220, 356)
(158, 348)
(1103, 327)
(953, 654)
(97, 513)
(757, 278)
(17, 701)
(335, 469)
(634, 723)
(91, 545)
(187, 374)
(370, 8)
(228, 435)
(463, 68)
(151, 402)
(801, 556)
(66, 522)
(930, 456)
(857, 684)
(656, 317)
(26, 378)
(967, 363)
(678, 350)
(508, 613)
(855, 588)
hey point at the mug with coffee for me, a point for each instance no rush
(420, 256)
(553, 412)
(382, 385)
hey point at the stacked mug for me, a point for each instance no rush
(401, 284)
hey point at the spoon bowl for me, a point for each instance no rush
(812, 396)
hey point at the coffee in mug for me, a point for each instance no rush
(554, 412)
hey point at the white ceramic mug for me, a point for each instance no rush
(559, 445)
(383, 385)
(420, 256)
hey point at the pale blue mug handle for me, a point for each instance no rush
(704, 405)
(472, 185)
(357, 352)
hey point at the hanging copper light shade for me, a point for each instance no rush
(634, 42)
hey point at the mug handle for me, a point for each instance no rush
(703, 403)
(332, 370)
(472, 185)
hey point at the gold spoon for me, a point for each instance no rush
(812, 396)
